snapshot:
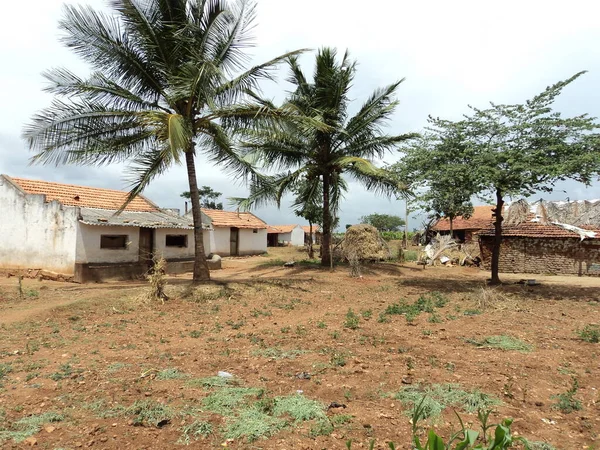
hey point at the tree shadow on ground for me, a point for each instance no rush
(567, 292)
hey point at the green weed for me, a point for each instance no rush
(28, 426)
(299, 408)
(194, 431)
(225, 400)
(171, 373)
(150, 412)
(352, 320)
(253, 423)
(566, 401)
(590, 333)
(277, 353)
(435, 398)
(502, 342)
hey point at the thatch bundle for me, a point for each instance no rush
(364, 243)
(517, 213)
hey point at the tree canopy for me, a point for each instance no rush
(383, 222)
(208, 197)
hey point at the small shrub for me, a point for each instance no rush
(590, 333)
(352, 320)
(566, 401)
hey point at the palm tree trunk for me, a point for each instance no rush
(311, 252)
(326, 238)
(201, 271)
(497, 238)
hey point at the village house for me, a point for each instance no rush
(463, 228)
(533, 247)
(235, 233)
(316, 234)
(75, 231)
(292, 235)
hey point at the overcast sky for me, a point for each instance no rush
(452, 54)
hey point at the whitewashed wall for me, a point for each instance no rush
(252, 243)
(297, 237)
(89, 251)
(221, 241)
(88, 244)
(35, 234)
(178, 252)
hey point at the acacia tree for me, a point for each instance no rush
(328, 143)
(167, 83)
(383, 222)
(511, 150)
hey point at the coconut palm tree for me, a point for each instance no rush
(167, 83)
(317, 152)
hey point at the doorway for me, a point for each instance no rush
(146, 247)
(234, 237)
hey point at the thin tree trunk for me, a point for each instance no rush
(201, 271)
(406, 224)
(497, 238)
(326, 237)
(311, 252)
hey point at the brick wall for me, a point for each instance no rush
(544, 255)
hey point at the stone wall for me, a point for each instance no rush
(568, 256)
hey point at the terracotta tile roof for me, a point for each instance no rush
(220, 218)
(282, 228)
(536, 230)
(73, 195)
(315, 228)
(272, 230)
(481, 218)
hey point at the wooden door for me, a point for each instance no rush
(234, 237)
(146, 246)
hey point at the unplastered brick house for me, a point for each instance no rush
(534, 247)
(74, 230)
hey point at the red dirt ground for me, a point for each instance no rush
(108, 338)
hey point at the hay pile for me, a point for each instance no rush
(363, 243)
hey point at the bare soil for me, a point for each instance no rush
(76, 349)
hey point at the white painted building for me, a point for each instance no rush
(235, 233)
(286, 235)
(73, 230)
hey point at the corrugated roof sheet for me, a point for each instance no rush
(281, 228)
(220, 218)
(73, 195)
(481, 218)
(143, 219)
(536, 230)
